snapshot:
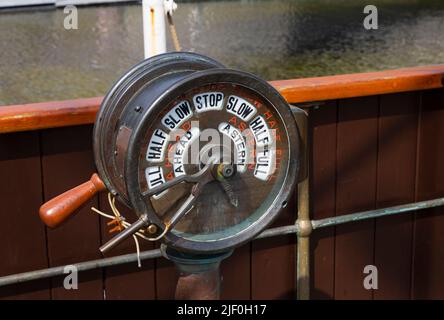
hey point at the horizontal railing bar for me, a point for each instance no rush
(272, 232)
(81, 266)
(113, 261)
(370, 214)
(278, 231)
(53, 114)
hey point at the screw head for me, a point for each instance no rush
(227, 171)
(152, 228)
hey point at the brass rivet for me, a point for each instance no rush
(152, 228)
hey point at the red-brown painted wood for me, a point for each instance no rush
(236, 274)
(82, 111)
(275, 256)
(166, 279)
(428, 263)
(372, 163)
(361, 84)
(67, 161)
(22, 235)
(323, 122)
(126, 281)
(52, 114)
(397, 142)
(357, 143)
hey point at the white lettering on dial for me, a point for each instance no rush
(265, 163)
(261, 132)
(208, 101)
(177, 115)
(241, 147)
(180, 149)
(240, 108)
(154, 177)
(157, 146)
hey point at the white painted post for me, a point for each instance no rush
(154, 34)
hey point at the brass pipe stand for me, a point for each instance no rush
(199, 275)
(303, 223)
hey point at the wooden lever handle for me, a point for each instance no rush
(59, 209)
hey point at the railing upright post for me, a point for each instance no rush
(154, 32)
(303, 222)
(303, 246)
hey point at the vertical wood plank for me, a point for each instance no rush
(67, 162)
(236, 274)
(273, 261)
(166, 279)
(357, 145)
(23, 235)
(323, 122)
(396, 185)
(127, 281)
(428, 262)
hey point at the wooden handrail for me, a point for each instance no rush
(82, 111)
(361, 84)
(43, 115)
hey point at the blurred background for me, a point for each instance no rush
(276, 39)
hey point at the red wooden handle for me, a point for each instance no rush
(59, 209)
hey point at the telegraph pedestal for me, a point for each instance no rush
(199, 274)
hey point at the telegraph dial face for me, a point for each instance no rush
(241, 131)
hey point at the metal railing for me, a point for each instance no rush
(303, 260)
(59, 114)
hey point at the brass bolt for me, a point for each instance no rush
(152, 228)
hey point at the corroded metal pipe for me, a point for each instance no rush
(199, 286)
(273, 232)
(370, 214)
(199, 275)
(81, 266)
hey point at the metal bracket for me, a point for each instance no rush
(301, 117)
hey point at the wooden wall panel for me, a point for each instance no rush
(359, 162)
(67, 161)
(126, 281)
(323, 123)
(396, 185)
(22, 234)
(166, 279)
(275, 256)
(428, 264)
(357, 144)
(236, 274)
